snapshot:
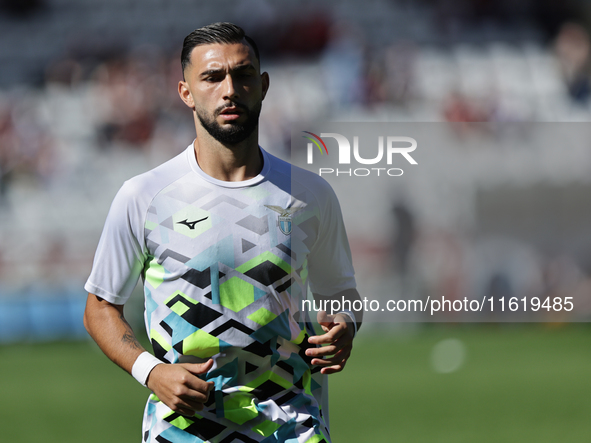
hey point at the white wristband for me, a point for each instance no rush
(143, 366)
(352, 316)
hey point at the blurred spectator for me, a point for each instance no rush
(374, 85)
(404, 236)
(399, 72)
(33, 144)
(128, 90)
(573, 49)
(65, 72)
(26, 147)
(304, 35)
(498, 292)
(7, 152)
(563, 277)
(458, 108)
(54, 262)
(441, 266)
(343, 65)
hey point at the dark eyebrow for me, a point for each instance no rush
(211, 72)
(243, 67)
(238, 68)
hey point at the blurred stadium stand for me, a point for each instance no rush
(88, 99)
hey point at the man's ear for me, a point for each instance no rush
(186, 95)
(265, 80)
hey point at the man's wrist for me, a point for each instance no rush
(351, 315)
(143, 365)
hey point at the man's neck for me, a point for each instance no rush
(228, 163)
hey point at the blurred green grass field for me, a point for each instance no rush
(518, 383)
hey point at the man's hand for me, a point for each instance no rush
(338, 340)
(178, 386)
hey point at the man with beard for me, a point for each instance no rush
(226, 238)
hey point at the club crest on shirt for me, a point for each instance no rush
(284, 217)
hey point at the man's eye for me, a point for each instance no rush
(243, 74)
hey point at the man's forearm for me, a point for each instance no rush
(178, 386)
(106, 324)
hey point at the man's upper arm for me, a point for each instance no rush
(120, 255)
(330, 264)
(97, 307)
(94, 302)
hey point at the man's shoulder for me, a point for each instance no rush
(150, 183)
(300, 179)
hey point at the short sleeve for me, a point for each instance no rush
(330, 267)
(120, 255)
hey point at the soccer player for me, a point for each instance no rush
(226, 238)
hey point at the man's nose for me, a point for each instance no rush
(230, 92)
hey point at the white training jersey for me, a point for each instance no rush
(225, 266)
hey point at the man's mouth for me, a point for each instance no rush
(231, 113)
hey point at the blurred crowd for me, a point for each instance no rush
(131, 98)
(126, 102)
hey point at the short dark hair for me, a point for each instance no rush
(220, 32)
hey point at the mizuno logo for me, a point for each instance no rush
(191, 225)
